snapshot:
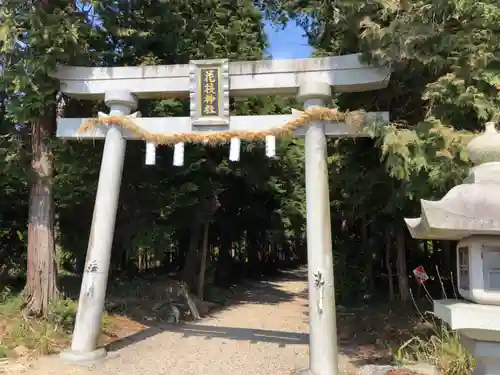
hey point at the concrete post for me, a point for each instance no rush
(93, 290)
(323, 355)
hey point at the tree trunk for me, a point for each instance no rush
(404, 288)
(252, 253)
(222, 268)
(140, 262)
(388, 264)
(41, 281)
(191, 263)
(203, 262)
(273, 249)
(183, 241)
(368, 257)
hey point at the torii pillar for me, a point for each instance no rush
(95, 277)
(323, 353)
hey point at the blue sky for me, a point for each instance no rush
(288, 43)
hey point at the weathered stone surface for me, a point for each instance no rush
(414, 369)
(423, 368)
(375, 370)
(266, 77)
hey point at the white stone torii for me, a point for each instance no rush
(312, 80)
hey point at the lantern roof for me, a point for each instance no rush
(472, 208)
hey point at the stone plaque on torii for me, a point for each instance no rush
(209, 84)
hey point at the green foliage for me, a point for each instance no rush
(62, 314)
(10, 304)
(423, 154)
(184, 30)
(33, 40)
(4, 351)
(450, 48)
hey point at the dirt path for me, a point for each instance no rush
(265, 333)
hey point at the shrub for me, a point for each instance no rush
(62, 314)
(442, 349)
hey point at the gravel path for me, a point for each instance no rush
(264, 333)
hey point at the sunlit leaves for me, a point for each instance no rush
(35, 39)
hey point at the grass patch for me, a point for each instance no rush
(442, 349)
(3, 351)
(21, 335)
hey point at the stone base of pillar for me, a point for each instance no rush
(304, 371)
(486, 355)
(83, 358)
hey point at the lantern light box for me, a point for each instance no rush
(478, 269)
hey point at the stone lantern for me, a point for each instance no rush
(470, 213)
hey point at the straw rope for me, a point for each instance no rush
(355, 120)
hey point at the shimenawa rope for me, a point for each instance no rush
(354, 120)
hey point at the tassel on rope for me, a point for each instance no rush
(270, 146)
(355, 120)
(150, 153)
(179, 154)
(234, 149)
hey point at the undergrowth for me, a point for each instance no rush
(441, 348)
(22, 335)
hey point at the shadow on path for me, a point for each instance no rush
(357, 331)
(210, 332)
(263, 292)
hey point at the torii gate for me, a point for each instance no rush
(208, 84)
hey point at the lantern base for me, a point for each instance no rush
(479, 322)
(486, 355)
(479, 329)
